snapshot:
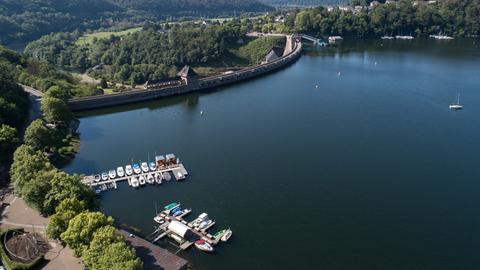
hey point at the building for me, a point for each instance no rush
(273, 55)
(172, 81)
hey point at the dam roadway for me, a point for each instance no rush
(292, 51)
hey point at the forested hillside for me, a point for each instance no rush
(303, 3)
(26, 20)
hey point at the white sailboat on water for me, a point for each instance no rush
(456, 106)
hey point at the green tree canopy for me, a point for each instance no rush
(57, 92)
(81, 228)
(64, 186)
(64, 212)
(38, 135)
(27, 163)
(55, 110)
(8, 141)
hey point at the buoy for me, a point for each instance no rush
(339, 73)
(316, 86)
(201, 112)
(375, 63)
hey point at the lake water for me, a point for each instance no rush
(369, 170)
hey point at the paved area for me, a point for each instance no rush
(16, 214)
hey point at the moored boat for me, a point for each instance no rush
(112, 174)
(128, 170)
(159, 219)
(218, 235)
(144, 167)
(104, 176)
(204, 224)
(171, 206)
(150, 179)
(456, 106)
(136, 168)
(97, 178)
(141, 180)
(203, 245)
(120, 172)
(152, 166)
(228, 233)
(158, 178)
(134, 182)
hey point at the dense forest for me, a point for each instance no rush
(26, 20)
(153, 53)
(453, 17)
(303, 3)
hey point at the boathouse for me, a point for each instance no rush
(180, 229)
(171, 159)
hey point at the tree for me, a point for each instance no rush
(27, 163)
(103, 83)
(35, 190)
(8, 142)
(109, 251)
(81, 229)
(64, 186)
(38, 135)
(55, 110)
(57, 92)
(64, 212)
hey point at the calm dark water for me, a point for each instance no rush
(368, 171)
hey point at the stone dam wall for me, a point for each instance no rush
(293, 49)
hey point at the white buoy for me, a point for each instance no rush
(375, 63)
(201, 112)
(339, 73)
(316, 86)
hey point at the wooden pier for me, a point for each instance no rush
(153, 256)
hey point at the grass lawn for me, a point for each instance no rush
(88, 38)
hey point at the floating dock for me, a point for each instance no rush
(188, 232)
(166, 168)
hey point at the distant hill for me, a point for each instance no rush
(303, 3)
(26, 20)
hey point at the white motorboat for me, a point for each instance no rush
(387, 37)
(120, 172)
(112, 174)
(134, 182)
(97, 178)
(203, 245)
(204, 224)
(167, 176)
(158, 178)
(152, 166)
(150, 179)
(202, 217)
(456, 106)
(136, 168)
(129, 170)
(141, 180)
(104, 176)
(144, 167)
(226, 235)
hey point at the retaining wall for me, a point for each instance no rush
(93, 102)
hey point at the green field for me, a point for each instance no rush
(88, 38)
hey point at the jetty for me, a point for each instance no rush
(165, 167)
(183, 232)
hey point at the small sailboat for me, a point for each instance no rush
(158, 178)
(456, 106)
(134, 182)
(203, 245)
(150, 179)
(228, 233)
(141, 180)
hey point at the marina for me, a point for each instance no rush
(172, 224)
(150, 173)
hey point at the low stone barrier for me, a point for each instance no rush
(93, 102)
